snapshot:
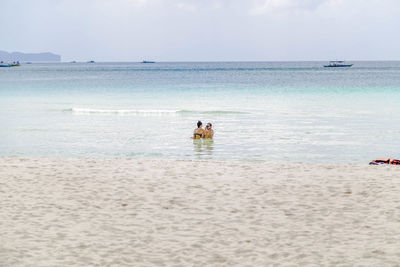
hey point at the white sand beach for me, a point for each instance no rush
(126, 212)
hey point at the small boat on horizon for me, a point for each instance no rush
(91, 61)
(147, 61)
(7, 65)
(337, 64)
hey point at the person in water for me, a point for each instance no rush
(208, 132)
(199, 131)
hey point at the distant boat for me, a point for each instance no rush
(146, 61)
(74, 61)
(7, 65)
(337, 64)
(91, 61)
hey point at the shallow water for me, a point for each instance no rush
(273, 111)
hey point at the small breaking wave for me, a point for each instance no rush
(120, 111)
(152, 111)
(215, 112)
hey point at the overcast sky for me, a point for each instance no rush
(203, 30)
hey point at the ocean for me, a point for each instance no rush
(260, 111)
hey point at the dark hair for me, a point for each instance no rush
(209, 123)
(199, 123)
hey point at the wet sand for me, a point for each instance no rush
(126, 212)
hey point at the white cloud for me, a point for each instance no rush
(288, 6)
(135, 2)
(185, 6)
(203, 29)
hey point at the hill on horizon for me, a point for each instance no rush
(19, 56)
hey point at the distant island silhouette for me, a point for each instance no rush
(24, 57)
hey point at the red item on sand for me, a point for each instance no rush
(385, 161)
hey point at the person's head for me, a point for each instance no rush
(199, 124)
(209, 126)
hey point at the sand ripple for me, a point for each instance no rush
(121, 212)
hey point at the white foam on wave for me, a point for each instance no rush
(122, 111)
(152, 111)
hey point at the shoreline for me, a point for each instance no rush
(199, 159)
(156, 212)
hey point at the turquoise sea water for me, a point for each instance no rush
(272, 111)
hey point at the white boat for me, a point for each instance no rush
(6, 65)
(337, 64)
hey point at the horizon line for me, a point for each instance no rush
(215, 61)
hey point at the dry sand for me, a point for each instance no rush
(121, 212)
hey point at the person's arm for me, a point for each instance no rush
(203, 133)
